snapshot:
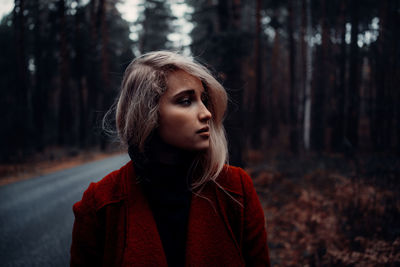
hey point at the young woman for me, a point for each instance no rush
(176, 203)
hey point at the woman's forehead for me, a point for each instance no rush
(180, 81)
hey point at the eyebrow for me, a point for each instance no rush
(186, 92)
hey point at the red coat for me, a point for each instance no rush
(114, 225)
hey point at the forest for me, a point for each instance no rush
(313, 114)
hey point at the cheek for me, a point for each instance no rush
(176, 122)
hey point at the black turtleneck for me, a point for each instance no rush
(163, 174)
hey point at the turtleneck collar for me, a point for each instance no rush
(162, 164)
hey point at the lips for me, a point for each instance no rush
(205, 129)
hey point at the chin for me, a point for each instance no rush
(202, 147)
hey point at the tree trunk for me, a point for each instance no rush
(396, 70)
(354, 80)
(387, 80)
(257, 117)
(93, 77)
(80, 77)
(40, 93)
(19, 140)
(308, 76)
(223, 9)
(229, 22)
(65, 116)
(293, 135)
(104, 61)
(322, 86)
(339, 116)
(274, 95)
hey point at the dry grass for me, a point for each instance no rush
(322, 217)
(51, 160)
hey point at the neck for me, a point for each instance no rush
(157, 151)
(161, 163)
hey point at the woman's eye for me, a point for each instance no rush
(185, 101)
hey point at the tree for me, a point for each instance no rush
(54, 100)
(65, 110)
(257, 120)
(293, 105)
(10, 117)
(156, 26)
(354, 78)
(320, 110)
(338, 116)
(307, 70)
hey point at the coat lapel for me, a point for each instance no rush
(143, 243)
(209, 242)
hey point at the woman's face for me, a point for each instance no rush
(183, 113)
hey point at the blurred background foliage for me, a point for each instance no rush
(302, 75)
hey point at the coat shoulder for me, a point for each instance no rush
(110, 189)
(234, 179)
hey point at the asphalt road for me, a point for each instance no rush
(36, 215)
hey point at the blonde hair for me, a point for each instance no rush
(137, 109)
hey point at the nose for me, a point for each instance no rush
(204, 114)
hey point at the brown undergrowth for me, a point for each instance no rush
(51, 160)
(323, 217)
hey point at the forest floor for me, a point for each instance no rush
(327, 210)
(51, 160)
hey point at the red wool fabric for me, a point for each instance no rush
(114, 225)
